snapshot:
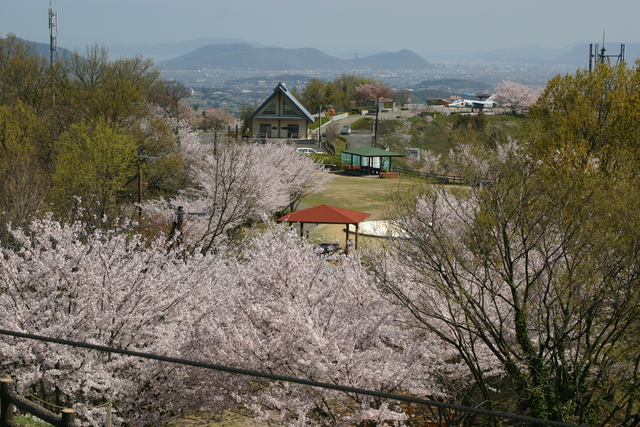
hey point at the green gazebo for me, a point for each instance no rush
(368, 160)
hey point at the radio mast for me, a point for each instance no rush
(53, 33)
(602, 56)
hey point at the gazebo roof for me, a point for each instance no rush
(371, 152)
(325, 214)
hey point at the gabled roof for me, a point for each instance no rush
(281, 88)
(371, 152)
(325, 214)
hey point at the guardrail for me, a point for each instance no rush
(9, 400)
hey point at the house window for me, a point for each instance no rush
(287, 110)
(265, 131)
(293, 131)
(270, 109)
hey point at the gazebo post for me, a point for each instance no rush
(346, 240)
(356, 245)
(301, 227)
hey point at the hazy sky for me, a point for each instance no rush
(423, 26)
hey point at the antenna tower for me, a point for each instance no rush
(53, 33)
(602, 56)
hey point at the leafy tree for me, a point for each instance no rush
(531, 281)
(584, 120)
(216, 119)
(25, 75)
(313, 95)
(346, 84)
(160, 158)
(99, 89)
(93, 164)
(337, 93)
(171, 96)
(22, 176)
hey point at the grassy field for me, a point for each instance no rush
(363, 194)
(358, 193)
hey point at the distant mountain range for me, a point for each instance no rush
(246, 57)
(45, 50)
(239, 54)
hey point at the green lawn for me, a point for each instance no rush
(364, 194)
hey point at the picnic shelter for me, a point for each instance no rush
(368, 160)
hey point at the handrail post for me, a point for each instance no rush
(6, 405)
(67, 417)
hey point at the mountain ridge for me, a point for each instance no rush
(245, 56)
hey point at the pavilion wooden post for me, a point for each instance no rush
(356, 245)
(346, 239)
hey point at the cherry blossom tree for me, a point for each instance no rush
(236, 184)
(109, 289)
(271, 304)
(285, 312)
(371, 91)
(516, 96)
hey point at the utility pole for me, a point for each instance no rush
(319, 126)
(375, 131)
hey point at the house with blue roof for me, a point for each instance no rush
(281, 116)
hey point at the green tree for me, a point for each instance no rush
(313, 96)
(93, 163)
(346, 84)
(161, 163)
(23, 178)
(99, 89)
(588, 119)
(337, 93)
(25, 75)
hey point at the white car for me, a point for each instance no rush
(346, 130)
(305, 150)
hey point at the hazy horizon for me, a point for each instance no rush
(428, 28)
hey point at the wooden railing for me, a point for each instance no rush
(439, 178)
(9, 401)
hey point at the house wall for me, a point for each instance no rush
(278, 123)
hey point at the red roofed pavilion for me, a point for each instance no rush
(325, 214)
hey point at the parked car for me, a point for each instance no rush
(346, 130)
(306, 150)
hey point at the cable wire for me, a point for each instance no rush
(240, 371)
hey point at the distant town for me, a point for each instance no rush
(229, 89)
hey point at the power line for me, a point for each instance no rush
(248, 372)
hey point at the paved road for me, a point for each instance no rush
(357, 140)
